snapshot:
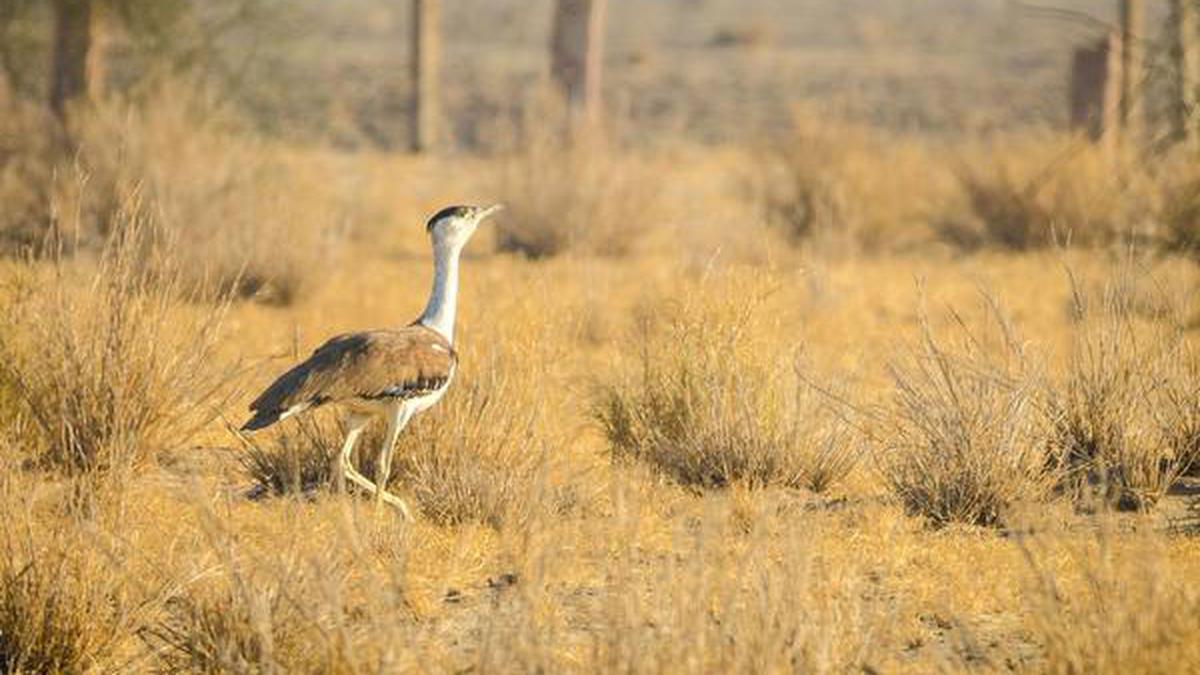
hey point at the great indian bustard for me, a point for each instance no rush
(390, 373)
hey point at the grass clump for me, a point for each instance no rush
(964, 441)
(574, 193)
(708, 411)
(62, 608)
(1127, 412)
(472, 459)
(1034, 193)
(109, 371)
(298, 458)
(834, 185)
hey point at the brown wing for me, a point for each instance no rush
(404, 363)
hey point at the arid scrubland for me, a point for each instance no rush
(751, 430)
(838, 398)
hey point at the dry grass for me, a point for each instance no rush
(239, 216)
(545, 543)
(297, 458)
(712, 408)
(1031, 193)
(470, 461)
(965, 441)
(108, 370)
(1127, 414)
(1118, 609)
(574, 193)
(834, 185)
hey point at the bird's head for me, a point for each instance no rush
(454, 225)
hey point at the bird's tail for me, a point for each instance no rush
(261, 420)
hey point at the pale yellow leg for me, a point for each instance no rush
(399, 417)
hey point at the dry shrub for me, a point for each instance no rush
(1119, 606)
(243, 215)
(1029, 193)
(107, 368)
(474, 458)
(712, 407)
(62, 609)
(297, 457)
(1179, 213)
(1127, 413)
(844, 187)
(242, 628)
(279, 608)
(720, 600)
(574, 193)
(26, 175)
(965, 440)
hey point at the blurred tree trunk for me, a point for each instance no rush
(72, 45)
(1133, 71)
(577, 55)
(426, 64)
(1186, 60)
(1095, 91)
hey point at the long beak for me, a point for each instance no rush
(489, 211)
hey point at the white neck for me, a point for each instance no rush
(443, 299)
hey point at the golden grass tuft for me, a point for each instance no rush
(108, 370)
(712, 408)
(1127, 412)
(1032, 193)
(834, 185)
(1117, 608)
(965, 441)
(574, 193)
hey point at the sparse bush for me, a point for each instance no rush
(108, 370)
(254, 629)
(965, 440)
(1127, 414)
(836, 185)
(708, 411)
(1031, 194)
(474, 459)
(574, 193)
(241, 216)
(1180, 213)
(62, 609)
(298, 458)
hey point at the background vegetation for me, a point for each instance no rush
(831, 347)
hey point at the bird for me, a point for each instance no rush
(391, 373)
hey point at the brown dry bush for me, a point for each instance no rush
(1127, 412)
(1027, 194)
(296, 458)
(844, 187)
(26, 175)
(474, 459)
(707, 410)
(243, 215)
(965, 440)
(1179, 213)
(108, 369)
(574, 193)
